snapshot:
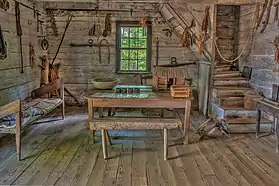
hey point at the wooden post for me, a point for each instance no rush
(213, 52)
(165, 144)
(104, 144)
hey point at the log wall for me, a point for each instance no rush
(226, 32)
(15, 84)
(80, 65)
(258, 50)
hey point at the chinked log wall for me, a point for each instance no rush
(13, 83)
(80, 65)
(259, 53)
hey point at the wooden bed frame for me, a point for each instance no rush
(15, 108)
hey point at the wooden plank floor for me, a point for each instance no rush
(62, 153)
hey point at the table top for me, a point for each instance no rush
(135, 96)
(132, 86)
(268, 103)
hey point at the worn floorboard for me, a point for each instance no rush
(62, 153)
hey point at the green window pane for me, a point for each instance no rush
(125, 32)
(133, 65)
(124, 65)
(142, 33)
(142, 43)
(133, 54)
(134, 43)
(124, 43)
(124, 54)
(134, 32)
(142, 64)
(142, 54)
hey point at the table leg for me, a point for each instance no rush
(187, 121)
(90, 117)
(108, 138)
(258, 123)
(165, 144)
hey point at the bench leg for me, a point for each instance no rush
(165, 144)
(104, 144)
(108, 138)
(93, 136)
(63, 110)
(18, 137)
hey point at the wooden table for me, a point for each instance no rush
(272, 109)
(154, 100)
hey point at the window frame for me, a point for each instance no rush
(120, 24)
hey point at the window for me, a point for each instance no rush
(133, 51)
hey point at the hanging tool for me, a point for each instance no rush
(4, 4)
(173, 60)
(32, 55)
(107, 30)
(100, 52)
(267, 16)
(262, 13)
(44, 44)
(19, 32)
(38, 23)
(131, 12)
(3, 48)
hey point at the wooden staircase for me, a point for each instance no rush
(228, 96)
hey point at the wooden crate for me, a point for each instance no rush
(249, 102)
(180, 91)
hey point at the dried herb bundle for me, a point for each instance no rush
(200, 39)
(186, 38)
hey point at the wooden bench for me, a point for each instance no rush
(133, 123)
(22, 110)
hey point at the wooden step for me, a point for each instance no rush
(225, 72)
(246, 120)
(238, 111)
(231, 82)
(229, 93)
(229, 87)
(231, 101)
(222, 69)
(229, 74)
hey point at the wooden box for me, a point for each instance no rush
(249, 102)
(180, 91)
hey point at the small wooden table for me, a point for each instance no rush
(269, 108)
(154, 100)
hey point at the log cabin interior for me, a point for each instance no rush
(139, 92)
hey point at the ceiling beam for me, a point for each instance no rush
(222, 2)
